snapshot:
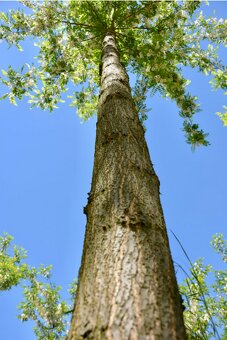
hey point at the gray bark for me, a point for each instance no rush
(127, 287)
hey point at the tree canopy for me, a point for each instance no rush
(156, 40)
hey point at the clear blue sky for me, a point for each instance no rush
(45, 175)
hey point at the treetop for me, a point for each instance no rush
(156, 40)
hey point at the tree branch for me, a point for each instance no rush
(77, 24)
(89, 3)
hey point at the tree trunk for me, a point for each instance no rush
(127, 287)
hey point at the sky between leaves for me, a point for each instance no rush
(46, 167)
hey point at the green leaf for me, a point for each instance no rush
(4, 73)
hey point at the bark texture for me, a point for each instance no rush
(127, 286)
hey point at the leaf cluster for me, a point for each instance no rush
(12, 270)
(42, 300)
(205, 315)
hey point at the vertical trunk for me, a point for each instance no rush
(127, 287)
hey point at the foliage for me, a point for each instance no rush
(42, 300)
(11, 268)
(223, 115)
(156, 40)
(206, 304)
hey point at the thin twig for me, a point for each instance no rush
(200, 288)
(77, 24)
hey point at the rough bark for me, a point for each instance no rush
(127, 287)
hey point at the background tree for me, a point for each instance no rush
(47, 98)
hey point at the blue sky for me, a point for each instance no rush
(45, 175)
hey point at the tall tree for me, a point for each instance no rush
(127, 286)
